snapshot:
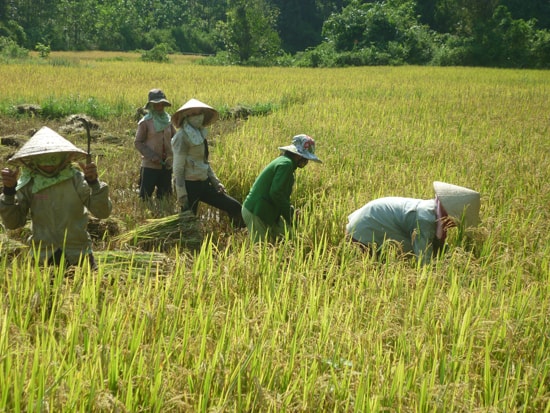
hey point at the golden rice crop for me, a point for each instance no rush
(310, 324)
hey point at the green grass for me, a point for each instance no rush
(312, 324)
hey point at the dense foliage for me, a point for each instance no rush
(500, 33)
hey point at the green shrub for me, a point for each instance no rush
(159, 53)
(450, 50)
(320, 56)
(192, 40)
(541, 49)
(43, 50)
(219, 59)
(9, 49)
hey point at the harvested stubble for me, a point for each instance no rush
(182, 230)
(11, 247)
(100, 229)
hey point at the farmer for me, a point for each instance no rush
(266, 210)
(58, 196)
(195, 180)
(419, 226)
(152, 140)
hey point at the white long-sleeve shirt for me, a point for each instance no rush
(409, 221)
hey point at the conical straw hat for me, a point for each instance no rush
(46, 141)
(210, 114)
(459, 201)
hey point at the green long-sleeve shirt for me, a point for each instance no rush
(269, 197)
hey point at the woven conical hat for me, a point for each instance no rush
(459, 201)
(46, 141)
(210, 114)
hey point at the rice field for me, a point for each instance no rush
(311, 324)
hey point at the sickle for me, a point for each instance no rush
(87, 126)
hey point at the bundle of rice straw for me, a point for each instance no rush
(182, 230)
(134, 263)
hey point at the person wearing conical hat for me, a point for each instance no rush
(419, 226)
(266, 210)
(57, 195)
(194, 178)
(152, 141)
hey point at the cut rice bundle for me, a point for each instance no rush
(134, 263)
(183, 230)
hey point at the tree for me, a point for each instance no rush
(3, 11)
(527, 10)
(118, 26)
(504, 42)
(299, 24)
(387, 29)
(77, 21)
(33, 16)
(346, 29)
(249, 31)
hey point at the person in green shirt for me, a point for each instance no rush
(266, 210)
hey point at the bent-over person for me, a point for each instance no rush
(419, 225)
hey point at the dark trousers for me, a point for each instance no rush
(204, 191)
(150, 178)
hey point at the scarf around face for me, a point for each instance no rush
(196, 136)
(40, 181)
(160, 119)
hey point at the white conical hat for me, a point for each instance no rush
(210, 114)
(46, 141)
(459, 201)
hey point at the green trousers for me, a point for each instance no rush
(260, 232)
